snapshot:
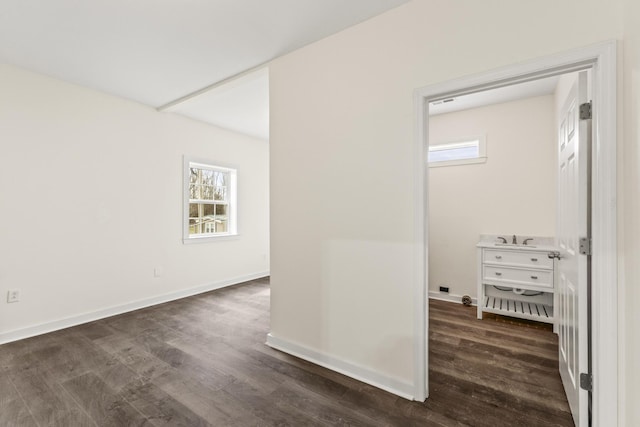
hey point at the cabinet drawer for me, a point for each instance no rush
(520, 258)
(519, 276)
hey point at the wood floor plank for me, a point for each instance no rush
(492, 324)
(13, 409)
(94, 330)
(202, 361)
(15, 413)
(187, 364)
(321, 409)
(215, 406)
(159, 407)
(312, 368)
(495, 378)
(420, 415)
(235, 363)
(48, 401)
(504, 342)
(8, 392)
(472, 412)
(372, 403)
(133, 356)
(314, 382)
(104, 406)
(265, 408)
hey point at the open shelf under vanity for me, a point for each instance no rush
(518, 308)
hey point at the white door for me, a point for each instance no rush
(573, 224)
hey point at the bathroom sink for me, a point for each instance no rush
(506, 241)
(515, 245)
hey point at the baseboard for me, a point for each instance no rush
(449, 297)
(56, 325)
(360, 373)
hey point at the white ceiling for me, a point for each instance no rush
(540, 87)
(157, 51)
(241, 105)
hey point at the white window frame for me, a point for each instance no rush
(458, 143)
(232, 203)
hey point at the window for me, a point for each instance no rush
(209, 201)
(470, 150)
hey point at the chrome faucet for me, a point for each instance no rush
(524, 242)
(503, 239)
(514, 241)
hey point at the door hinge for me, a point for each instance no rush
(585, 111)
(586, 382)
(585, 246)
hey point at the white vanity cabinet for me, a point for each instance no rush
(516, 281)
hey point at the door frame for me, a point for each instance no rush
(602, 60)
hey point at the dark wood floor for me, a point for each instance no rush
(202, 361)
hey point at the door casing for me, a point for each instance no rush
(602, 60)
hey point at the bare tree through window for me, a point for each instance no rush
(209, 201)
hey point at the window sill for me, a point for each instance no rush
(458, 162)
(210, 239)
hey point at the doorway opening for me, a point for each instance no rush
(493, 214)
(601, 59)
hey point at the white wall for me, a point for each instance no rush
(512, 193)
(341, 151)
(630, 218)
(91, 189)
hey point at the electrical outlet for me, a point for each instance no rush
(13, 295)
(444, 289)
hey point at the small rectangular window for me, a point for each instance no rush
(471, 150)
(209, 201)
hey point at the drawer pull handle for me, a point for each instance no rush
(534, 277)
(534, 259)
(498, 274)
(498, 256)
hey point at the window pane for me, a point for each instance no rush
(222, 219)
(220, 193)
(209, 191)
(455, 153)
(193, 210)
(207, 176)
(204, 184)
(195, 218)
(206, 218)
(221, 178)
(221, 210)
(208, 210)
(221, 225)
(193, 228)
